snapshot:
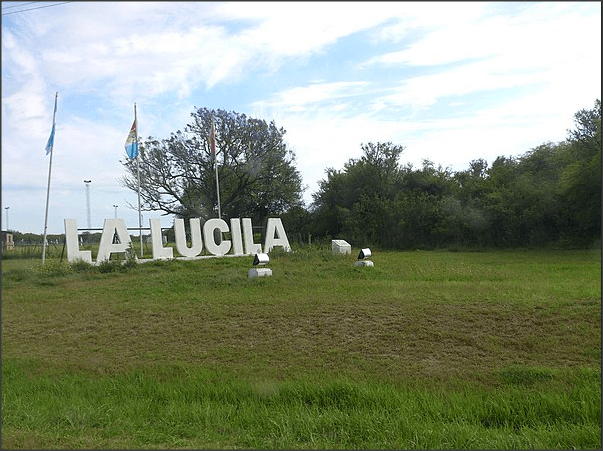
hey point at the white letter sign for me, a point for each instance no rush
(107, 247)
(73, 248)
(180, 234)
(274, 228)
(241, 243)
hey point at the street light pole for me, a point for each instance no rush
(87, 182)
(6, 208)
(115, 206)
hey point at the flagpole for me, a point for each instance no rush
(213, 131)
(138, 173)
(54, 115)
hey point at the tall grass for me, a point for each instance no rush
(59, 251)
(425, 350)
(194, 408)
(32, 251)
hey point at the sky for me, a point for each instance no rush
(452, 82)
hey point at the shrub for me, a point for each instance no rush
(82, 266)
(53, 267)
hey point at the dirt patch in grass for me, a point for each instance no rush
(389, 340)
(315, 317)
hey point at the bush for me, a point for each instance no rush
(120, 263)
(53, 267)
(82, 266)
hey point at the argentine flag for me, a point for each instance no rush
(50, 143)
(131, 143)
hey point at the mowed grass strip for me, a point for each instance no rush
(475, 325)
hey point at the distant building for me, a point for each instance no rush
(7, 241)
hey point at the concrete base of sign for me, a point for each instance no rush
(260, 272)
(364, 263)
(340, 247)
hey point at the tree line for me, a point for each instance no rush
(549, 195)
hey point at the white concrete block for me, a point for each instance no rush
(260, 272)
(364, 263)
(340, 247)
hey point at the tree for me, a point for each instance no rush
(421, 205)
(539, 220)
(353, 202)
(256, 169)
(580, 185)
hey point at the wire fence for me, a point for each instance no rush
(32, 251)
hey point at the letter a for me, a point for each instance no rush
(274, 228)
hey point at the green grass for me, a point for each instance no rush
(425, 350)
(193, 408)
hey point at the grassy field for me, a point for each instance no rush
(425, 350)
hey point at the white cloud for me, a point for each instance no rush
(303, 97)
(539, 38)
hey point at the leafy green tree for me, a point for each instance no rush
(472, 183)
(420, 206)
(374, 201)
(498, 202)
(352, 203)
(430, 179)
(464, 206)
(256, 170)
(536, 186)
(297, 221)
(580, 184)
